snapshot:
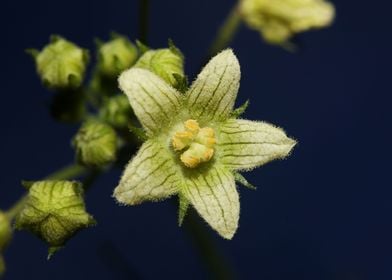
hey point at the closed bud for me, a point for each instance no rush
(117, 111)
(278, 21)
(5, 231)
(116, 56)
(95, 143)
(61, 64)
(54, 211)
(166, 63)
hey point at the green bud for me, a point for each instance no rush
(54, 211)
(5, 231)
(95, 143)
(166, 63)
(117, 111)
(116, 56)
(61, 64)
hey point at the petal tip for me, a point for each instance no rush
(228, 51)
(131, 74)
(229, 55)
(291, 143)
(228, 235)
(124, 198)
(119, 197)
(123, 78)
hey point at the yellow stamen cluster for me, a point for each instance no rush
(198, 141)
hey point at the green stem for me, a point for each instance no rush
(226, 32)
(16, 208)
(67, 172)
(143, 20)
(214, 260)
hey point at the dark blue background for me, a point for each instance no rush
(325, 213)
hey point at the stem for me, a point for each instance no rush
(143, 20)
(67, 172)
(16, 208)
(226, 32)
(214, 260)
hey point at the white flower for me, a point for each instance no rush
(195, 145)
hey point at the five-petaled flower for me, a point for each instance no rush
(195, 145)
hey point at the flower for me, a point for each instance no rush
(194, 145)
(279, 20)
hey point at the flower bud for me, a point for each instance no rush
(95, 144)
(116, 56)
(166, 63)
(5, 231)
(278, 21)
(61, 64)
(54, 211)
(117, 111)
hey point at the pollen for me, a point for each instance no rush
(192, 126)
(196, 143)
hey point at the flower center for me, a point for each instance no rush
(197, 143)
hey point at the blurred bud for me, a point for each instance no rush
(278, 21)
(68, 106)
(5, 231)
(95, 143)
(54, 211)
(116, 111)
(116, 56)
(61, 64)
(2, 265)
(166, 63)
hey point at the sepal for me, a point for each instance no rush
(139, 132)
(183, 207)
(242, 180)
(240, 110)
(142, 47)
(182, 83)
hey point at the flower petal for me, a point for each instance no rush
(246, 144)
(212, 95)
(152, 99)
(150, 175)
(214, 195)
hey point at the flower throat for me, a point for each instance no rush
(196, 143)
